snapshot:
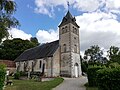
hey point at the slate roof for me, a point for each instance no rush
(68, 19)
(41, 51)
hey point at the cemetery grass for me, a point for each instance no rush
(34, 85)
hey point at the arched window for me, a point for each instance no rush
(74, 38)
(40, 65)
(63, 30)
(64, 48)
(32, 66)
(73, 30)
(18, 66)
(66, 29)
(75, 48)
(43, 68)
(63, 61)
(24, 66)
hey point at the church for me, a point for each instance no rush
(57, 58)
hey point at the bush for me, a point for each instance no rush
(109, 79)
(92, 73)
(114, 65)
(17, 75)
(84, 67)
(23, 73)
(2, 75)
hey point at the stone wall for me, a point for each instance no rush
(48, 70)
(56, 63)
(76, 60)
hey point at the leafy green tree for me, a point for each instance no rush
(114, 54)
(7, 8)
(84, 65)
(94, 54)
(2, 75)
(34, 40)
(11, 49)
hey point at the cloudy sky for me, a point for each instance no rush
(99, 20)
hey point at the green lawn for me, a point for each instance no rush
(34, 85)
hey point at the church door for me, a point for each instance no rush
(76, 70)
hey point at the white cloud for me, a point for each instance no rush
(98, 28)
(87, 5)
(113, 4)
(47, 6)
(44, 36)
(16, 33)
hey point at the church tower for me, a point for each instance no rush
(70, 64)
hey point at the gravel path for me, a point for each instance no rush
(72, 84)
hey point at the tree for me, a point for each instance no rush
(11, 49)
(2, 75)
(34, 40)
(114, 54)
(7, 8)
(94, 54)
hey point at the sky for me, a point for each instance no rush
(99, 21)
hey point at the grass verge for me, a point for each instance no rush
(33, 85)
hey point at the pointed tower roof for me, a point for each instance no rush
(68, 18)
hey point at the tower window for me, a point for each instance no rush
(75, 48)
(73, 29)
(75, 38)
(63, 30)
(64, 47)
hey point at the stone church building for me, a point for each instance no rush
(57, 58)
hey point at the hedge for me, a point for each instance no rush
(17, 75)
(108, 79)
(2, 75)
(91, 72)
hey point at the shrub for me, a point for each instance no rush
(84, 67)
(2, 75)
(91, 72)
(114, 65)
(109, 79)
(23, 73)
(17, 75)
